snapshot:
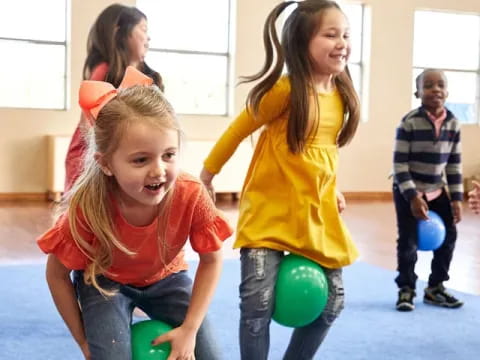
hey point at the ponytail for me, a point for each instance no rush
(270, 41)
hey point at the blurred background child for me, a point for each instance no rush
(117, 39)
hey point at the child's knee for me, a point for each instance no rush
(255, 326)
(336, 297)
(333, 310)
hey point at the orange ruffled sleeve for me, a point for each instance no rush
(59, 241)
(209, 228)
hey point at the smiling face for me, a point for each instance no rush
(329, 48)
(432, 90)
(138, 42)
(144, 164)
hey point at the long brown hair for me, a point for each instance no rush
(292, 51)
(107, 42)
(88, 202)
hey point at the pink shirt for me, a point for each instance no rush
(437, 123)
(437, 120)
(78, 145)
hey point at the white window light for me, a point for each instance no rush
(33, 62)
(191, 55)
(451, 42)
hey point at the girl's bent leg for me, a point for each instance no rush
(259, 274)
(168, 301)
(106, 319)
(306, 340)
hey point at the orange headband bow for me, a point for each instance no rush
(93, 95)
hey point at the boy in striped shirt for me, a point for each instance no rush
(427, 159)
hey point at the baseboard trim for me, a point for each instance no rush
(23, 196)
(349, 195)
(368, 195)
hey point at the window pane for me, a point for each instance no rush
(354, 14)
(203, 26)
(462, 90)
(461, 33)
(461, 100)
(194, 84)
(33, 19)
(28, 87)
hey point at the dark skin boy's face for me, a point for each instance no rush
(433, 91)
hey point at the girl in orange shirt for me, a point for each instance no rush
(124, 225)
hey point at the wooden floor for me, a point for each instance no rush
(372, 224)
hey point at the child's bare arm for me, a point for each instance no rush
(457, 211)
(206, 279)
(206, 177)
(341, 202)
(419, 208)
(63, 294)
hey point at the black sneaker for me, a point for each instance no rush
(437, 295)
(405, 299)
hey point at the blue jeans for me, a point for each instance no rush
(259, 274)
(107, 319)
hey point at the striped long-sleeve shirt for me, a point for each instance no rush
(422, 161)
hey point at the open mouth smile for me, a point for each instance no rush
(154, 187)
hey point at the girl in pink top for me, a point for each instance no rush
(124, 225)
(117, 39)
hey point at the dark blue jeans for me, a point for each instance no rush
(407, 241)
(259, 274)
(107, 319)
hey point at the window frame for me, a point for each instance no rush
(228, 69)
(66, 61)
(361, 62)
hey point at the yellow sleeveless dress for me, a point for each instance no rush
(288, 201)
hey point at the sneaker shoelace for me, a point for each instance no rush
(405, 296)
(447, 295)
(444, 293)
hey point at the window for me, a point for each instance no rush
(355, 15)
(190, 49)
(33, 48)
(460, 60)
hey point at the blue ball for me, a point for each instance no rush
(431, 232)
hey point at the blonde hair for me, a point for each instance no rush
(88, 202)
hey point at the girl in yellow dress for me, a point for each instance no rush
(289, 201)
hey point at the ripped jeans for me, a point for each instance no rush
(259, 274)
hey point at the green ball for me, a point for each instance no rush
(301, 291)
(143, 332)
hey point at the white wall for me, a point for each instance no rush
(364, 165)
